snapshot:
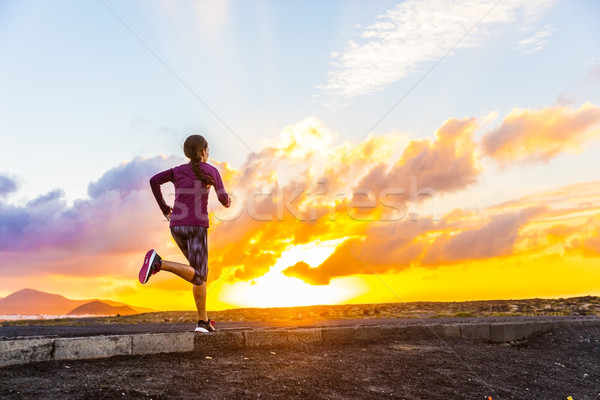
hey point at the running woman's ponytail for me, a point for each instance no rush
(192, 147)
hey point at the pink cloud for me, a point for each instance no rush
(46, 234)
(540, 135)
(494, 239)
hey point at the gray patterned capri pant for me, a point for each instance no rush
(192, 240)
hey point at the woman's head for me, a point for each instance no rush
(195, 148)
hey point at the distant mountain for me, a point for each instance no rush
(101, 308)
(143, 309)
(29, 301)
(117, 304)
(32, 302)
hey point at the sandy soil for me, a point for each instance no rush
(553, 365)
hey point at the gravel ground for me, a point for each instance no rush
(553, 365)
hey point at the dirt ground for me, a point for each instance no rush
(552, 365)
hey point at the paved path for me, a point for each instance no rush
(11, 332)
(30, 344)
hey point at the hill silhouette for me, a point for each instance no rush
(29, 301)
(35, 302)
(118, 304)
(98, 307)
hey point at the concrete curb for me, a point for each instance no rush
(22, 351)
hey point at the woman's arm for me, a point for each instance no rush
(155, 182)
(220, 189)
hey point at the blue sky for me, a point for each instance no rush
(80, 93)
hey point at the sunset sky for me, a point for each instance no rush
(376, 151)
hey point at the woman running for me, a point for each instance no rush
(188, 221)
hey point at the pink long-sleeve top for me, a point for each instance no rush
(191, 196)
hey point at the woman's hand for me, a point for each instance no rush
(228, 203)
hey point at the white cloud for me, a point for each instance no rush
(213, 16)
(210, 19)
(536, 42)
(415, 32)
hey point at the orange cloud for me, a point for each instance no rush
(386, 246)
(588, 244)
(301, 189)
(495, 238)
(447, 164)
(540, 135)
(524, 227)
(395, 246)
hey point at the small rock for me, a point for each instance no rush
(272, 352)
(208, 357)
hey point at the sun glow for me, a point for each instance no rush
(274, 289)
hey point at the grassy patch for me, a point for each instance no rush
(463, 314)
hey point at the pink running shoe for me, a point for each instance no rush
(152, 264)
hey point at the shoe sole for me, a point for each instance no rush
(145, 271)
(203, 330)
